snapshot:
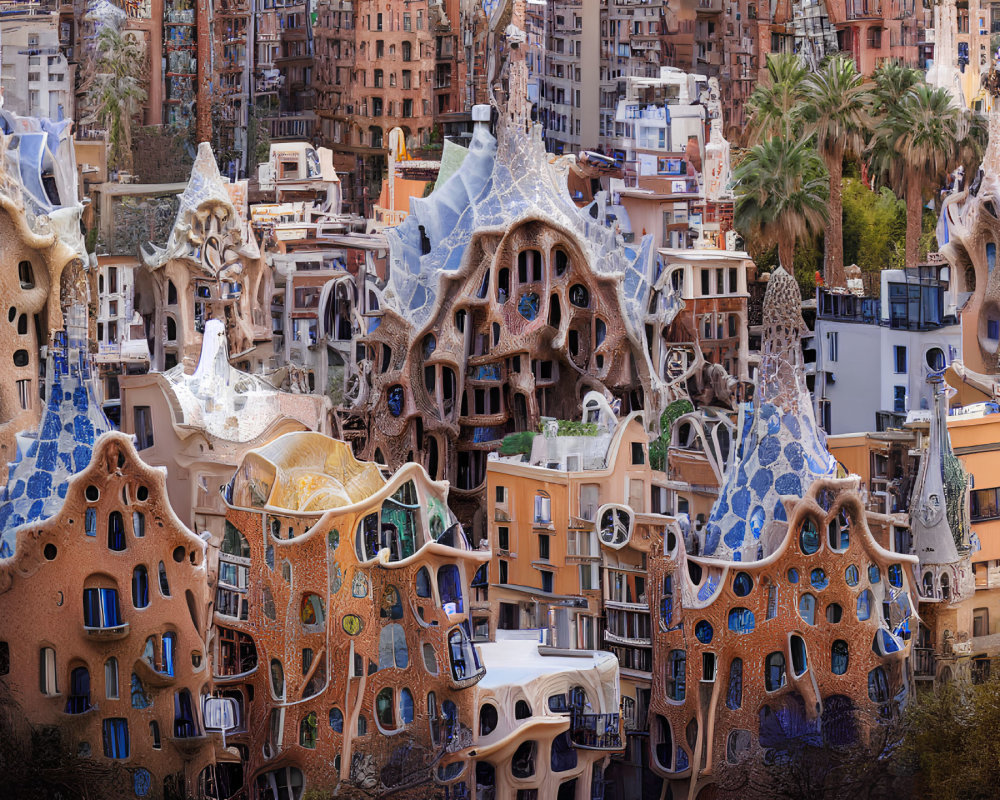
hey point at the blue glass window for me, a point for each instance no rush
(703, 631)
(139, 697)
(800, 662)
(677, 675)
(79, 691)
(116, 740)
(405, 706)
(807, 608)
(337, 719)
(100, 608)
(527, 306)
(838, 657)
(741, 620)
(423, 583)
(878, 686)
(818, 579)
(90, 522)
(851, 575)
(874, 574)
(734, 694)
(450, 588)
(395, 400)
(895, 574)
(742, 584)
(140, 587)
(864, 605)
(116, 531)
(774, 671)
(563, 753)
(809, 537)
(793, 575)
(667, 601)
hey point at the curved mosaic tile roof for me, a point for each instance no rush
(781, 449)
(500, 183)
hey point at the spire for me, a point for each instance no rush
(781, 450)
(937, 512)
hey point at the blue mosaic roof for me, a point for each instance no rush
(501, 183)
(781, 449)
(71, 423)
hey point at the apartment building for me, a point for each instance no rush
(380, 65)
(36, 77)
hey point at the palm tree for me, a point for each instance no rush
(117, 93)
(775, 106)
(891, 81)
(782, 188)
(915, 144)
(836, 113)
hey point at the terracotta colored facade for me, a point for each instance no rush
(364, 657)
(115, 651)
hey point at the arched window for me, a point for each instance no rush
(664, 748)
(337, 719)
(809, 537)
(464, 658)
(111, 678)
(277, 679)
(864, 605)
(878, 686)
(522, 765)
(667, 602)
(309, 731)
(774, 671)
(140, 587)
(100, 605)
(385, 712)
(405, 706)
(807, 609)
(79, 691)
(164, 584)
(450, 588)
(430, 660)
(116, 531)
(488, 719)
(676, 675)
(312, 613)
(734, 695)
(392, 650)
(800, 661)
(839, 657)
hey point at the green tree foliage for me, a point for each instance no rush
(836, 114)
(874, 227)
(658, 447)
(920, 136)
(782, 189)
(775, 107)
(118, 90)
(951, 739)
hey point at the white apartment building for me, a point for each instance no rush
(37, 81)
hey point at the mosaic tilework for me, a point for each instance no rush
(63, 445)
(501, 183)
(781, 450)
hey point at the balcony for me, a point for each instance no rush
(595, 731)
(924, 661)
(109, 634)
(863, 9)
